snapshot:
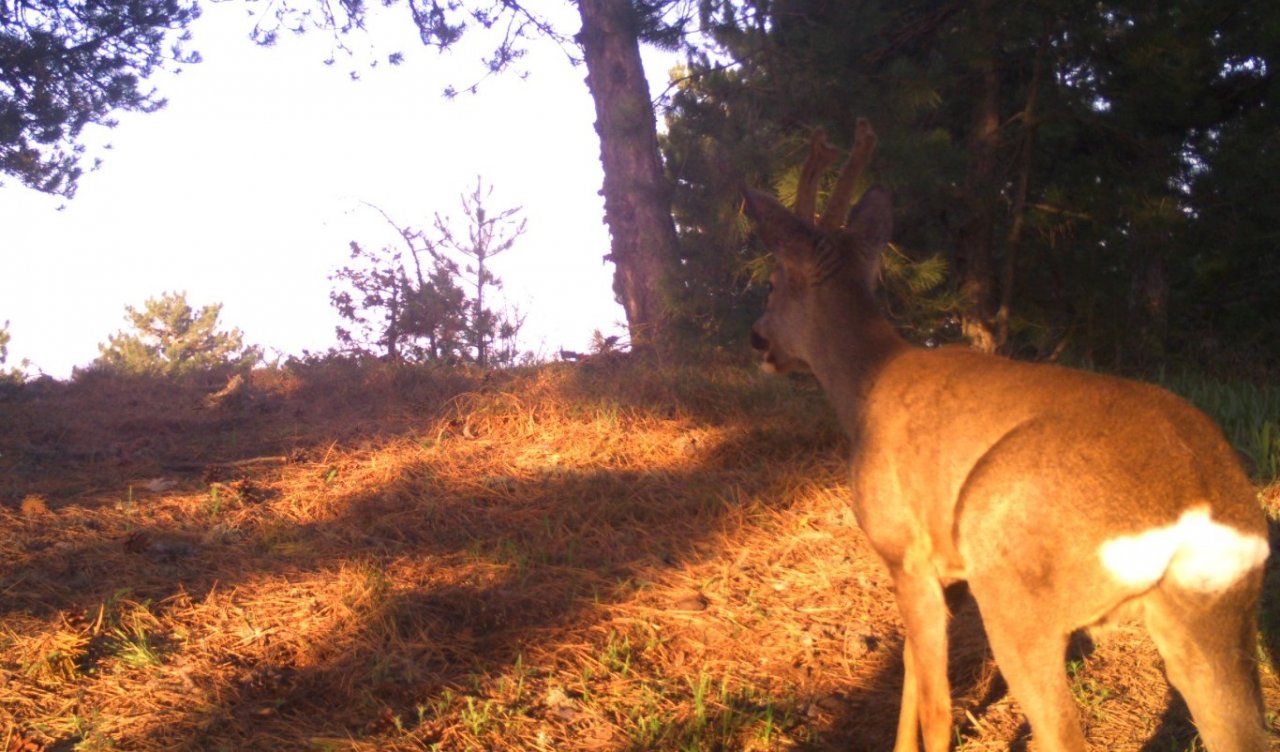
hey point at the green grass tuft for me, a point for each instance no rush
(1248, 414)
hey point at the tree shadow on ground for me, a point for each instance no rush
(513, 540)
(868, 721)
(445, 576)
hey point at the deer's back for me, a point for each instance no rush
(1098, 455)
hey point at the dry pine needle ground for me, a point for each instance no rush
(604, 556)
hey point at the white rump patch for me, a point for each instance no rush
(1195, 552)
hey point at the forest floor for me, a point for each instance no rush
(599, 556)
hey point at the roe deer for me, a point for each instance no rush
(1062, 497)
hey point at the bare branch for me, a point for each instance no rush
(409, 235)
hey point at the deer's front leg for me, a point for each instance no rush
(909, 712)
(926, 694)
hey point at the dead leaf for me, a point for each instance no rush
(691, 602)
(34, 506)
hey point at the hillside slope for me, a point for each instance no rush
(603, 556)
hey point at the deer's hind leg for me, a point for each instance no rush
(1030, 649)
(1207, 643)
(1027, 586)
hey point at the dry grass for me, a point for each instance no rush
(604, 556)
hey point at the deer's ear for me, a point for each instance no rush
(869, 227)
(787, 236)
(871, 219)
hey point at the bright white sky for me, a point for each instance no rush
(248, 187)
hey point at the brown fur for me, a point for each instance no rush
(1011, 476)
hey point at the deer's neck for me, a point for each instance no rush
(848, 353)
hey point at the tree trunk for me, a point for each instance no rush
(637, 201)
(1148, 309)
(1022, 186)
(975, 237)
(478, 325)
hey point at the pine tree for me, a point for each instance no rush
(403, 315)
(1080, 168)
(168, 338)
(488, 235)
(65, 64)
(7, 375)
(400, 312)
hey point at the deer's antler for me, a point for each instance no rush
(821, 156)
(864, 144)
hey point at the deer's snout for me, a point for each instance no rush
(758, 342)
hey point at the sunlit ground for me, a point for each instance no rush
(595, 556)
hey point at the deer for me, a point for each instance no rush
(1065, 499)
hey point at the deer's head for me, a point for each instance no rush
(826, 271)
